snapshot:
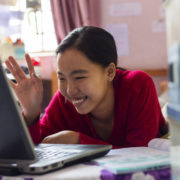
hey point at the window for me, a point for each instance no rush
(38, 31)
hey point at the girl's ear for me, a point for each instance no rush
(111, 71)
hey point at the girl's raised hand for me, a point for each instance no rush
(29, 91)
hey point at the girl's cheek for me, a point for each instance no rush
(62, 89)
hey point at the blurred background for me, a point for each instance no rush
(38, 26)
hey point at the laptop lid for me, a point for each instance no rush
(16, 145)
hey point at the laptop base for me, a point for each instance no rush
(7, 171)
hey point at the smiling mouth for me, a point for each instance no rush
(78, 101)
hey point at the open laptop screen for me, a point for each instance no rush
(15, 143)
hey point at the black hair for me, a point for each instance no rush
(96, 43)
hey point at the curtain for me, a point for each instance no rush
(70, 14)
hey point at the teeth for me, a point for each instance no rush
(77, 101)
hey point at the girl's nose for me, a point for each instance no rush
(71, 89)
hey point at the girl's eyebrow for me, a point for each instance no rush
(79, 71)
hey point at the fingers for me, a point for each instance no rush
(45, 141)
(15, 69)
(30, 66)
(12, 83)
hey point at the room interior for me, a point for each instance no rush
(142, 31)
(138, 27)
(37, 27)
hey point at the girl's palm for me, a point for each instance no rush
(29, 91)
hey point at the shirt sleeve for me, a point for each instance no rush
(144, 112)
(85, 139)
(52, 121)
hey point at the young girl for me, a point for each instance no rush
(96, 103)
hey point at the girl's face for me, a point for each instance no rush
(82, 82)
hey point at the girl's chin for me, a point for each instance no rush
(80, 111)
(83, 110)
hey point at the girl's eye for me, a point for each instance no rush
(79, 77)
(61, 79)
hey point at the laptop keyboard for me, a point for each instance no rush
(53, 153)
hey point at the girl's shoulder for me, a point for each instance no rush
(131, 76)
(132, 80)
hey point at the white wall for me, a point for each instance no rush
(139, 30)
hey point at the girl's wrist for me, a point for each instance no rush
(30, 120)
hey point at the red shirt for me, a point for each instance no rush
(137, 114)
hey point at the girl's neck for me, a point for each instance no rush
(105, 111)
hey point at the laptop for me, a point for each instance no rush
(18, 154)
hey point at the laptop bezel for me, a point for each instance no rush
(8, 162)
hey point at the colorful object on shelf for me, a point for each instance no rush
(10, 48)
(35, 61)
(19, 50)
